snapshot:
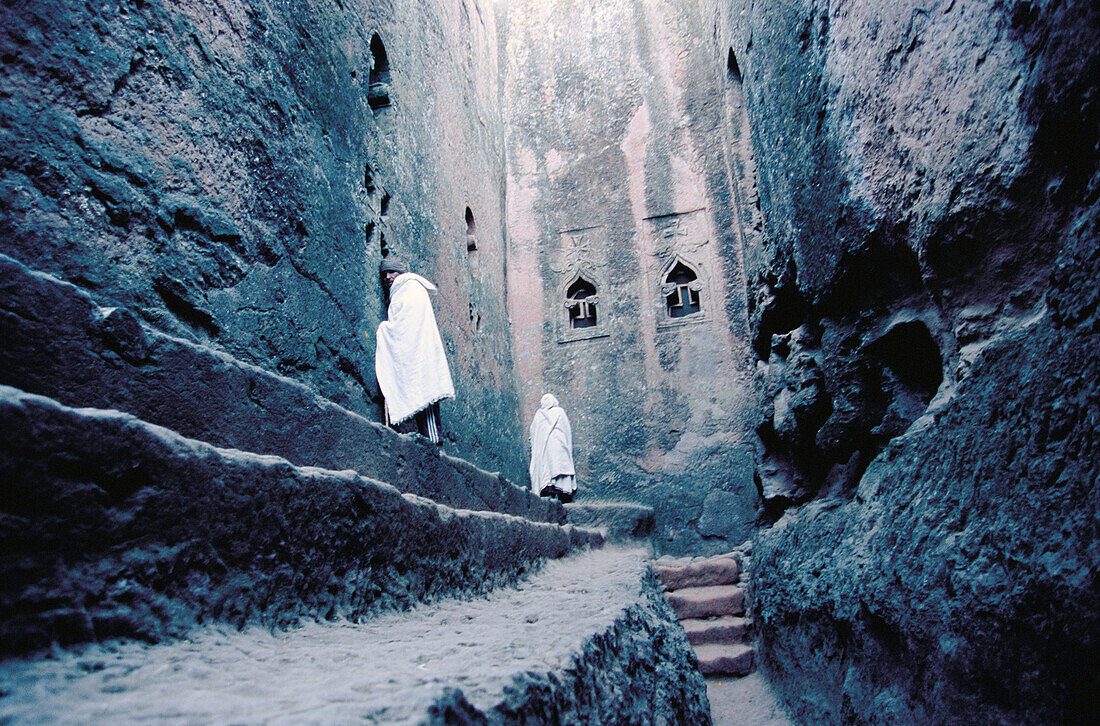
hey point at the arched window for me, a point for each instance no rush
(581, 303)
(681, 290)
(378, 92)
(471, 231)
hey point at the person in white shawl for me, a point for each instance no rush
(409, 361)
(551, 469)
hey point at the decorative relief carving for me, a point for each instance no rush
(579, 265)
(679, 284)
(578, 248)
(678, 234)
(582, 317)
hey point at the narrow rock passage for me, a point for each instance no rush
(391, 669)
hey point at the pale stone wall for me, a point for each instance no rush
(622, 158)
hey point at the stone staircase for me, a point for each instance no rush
(708, 596)
(188, 538)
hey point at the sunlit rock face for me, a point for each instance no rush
(923, 311)
(232, 173)
(625, 195)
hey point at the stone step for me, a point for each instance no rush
(722, 570)
(622, 521)
(734, 660)
(114, 527)
(705, 602)
(723, 630)
(586, 639)
(58, 342)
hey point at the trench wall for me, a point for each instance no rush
(922, 308)
(218, 168)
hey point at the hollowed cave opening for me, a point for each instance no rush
(910, 353)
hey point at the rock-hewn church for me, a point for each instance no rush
(816, 283)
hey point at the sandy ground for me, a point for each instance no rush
(387, 670)
(747, 701)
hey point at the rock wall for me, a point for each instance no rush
(233, 171)
(115, 528)
(622, 166)
(61, 344)
(923, 307)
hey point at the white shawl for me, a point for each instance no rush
(551, 444)
(409, 361)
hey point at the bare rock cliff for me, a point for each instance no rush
(923, 307)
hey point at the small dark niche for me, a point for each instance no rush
(378, 90)
(911, 353)
(732, 69)
(471, 231)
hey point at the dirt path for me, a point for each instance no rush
(386, 670)
(747, 701)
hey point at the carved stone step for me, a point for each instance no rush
(735, 660)
(57, 342)
(715, 571)
(115, 527)
(623, 521)
(724, 630)
(705, 602)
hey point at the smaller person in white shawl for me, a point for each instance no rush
(551, 470)
(409, 360)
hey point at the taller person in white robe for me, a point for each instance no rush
(552, 473)
(409, 360)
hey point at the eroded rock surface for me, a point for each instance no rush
(924, 314)
(588, 639)
(112, 527)
(222, 170)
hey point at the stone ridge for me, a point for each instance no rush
(586, 640)
(59, 343)
(113, 527)
(621, 520)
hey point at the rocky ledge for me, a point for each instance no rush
(588, 639)
(113, 527)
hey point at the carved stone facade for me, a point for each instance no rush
(630, 202)
(581, 267)
(681, 243)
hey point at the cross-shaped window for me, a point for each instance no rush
(681, 290)
(581, 304)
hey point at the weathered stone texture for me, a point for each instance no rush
(618, 167)
(713, 571)
(622, 521)
(576, 654)
(923, 304)
(61, 344)
(112, 527)
(215, 167)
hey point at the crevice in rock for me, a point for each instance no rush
(178, 301)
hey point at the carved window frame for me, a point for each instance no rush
(662, 292)
(567, 333)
